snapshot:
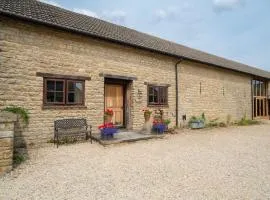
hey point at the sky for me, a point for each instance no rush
(233, 29)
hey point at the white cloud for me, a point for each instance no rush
(227, 5)
(116, 16)
(165, 14)
(86, 12)
(51, 2)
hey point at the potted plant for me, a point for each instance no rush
(147, 126)
(167, 122)
(107, 131)
(197, 122)
(147, 114)
(159, 126)
(108, 115)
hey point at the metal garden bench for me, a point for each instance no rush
(71, 127)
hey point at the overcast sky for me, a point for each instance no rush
(234, 29)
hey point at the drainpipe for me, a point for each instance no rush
(176, 89)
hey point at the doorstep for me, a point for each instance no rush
(126, 137)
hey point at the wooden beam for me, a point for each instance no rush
(132, 78)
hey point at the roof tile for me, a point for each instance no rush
(37, 11)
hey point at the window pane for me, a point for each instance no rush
(163, 100)
(151, 99)
(74, 86)
(254, 87)
(163, 95)
(59, 85)
(151, 91)
(258, 88)
(50, 96)
(71, 86)
(59, 97)
(155, 91)
(78, 86)
(78, 92)
(155, 99)
(71, 97)
(263, 89)
(75, 94)
(50, 85)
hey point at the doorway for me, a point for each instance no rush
(117, 97)
(114, 99)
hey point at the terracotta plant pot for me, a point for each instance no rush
(147, 117)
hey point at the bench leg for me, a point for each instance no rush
(57, 141)
(91, 136)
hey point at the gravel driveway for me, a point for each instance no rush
(223, 163)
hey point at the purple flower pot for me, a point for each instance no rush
(159, 128)
(108, 133)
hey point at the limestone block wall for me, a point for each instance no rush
(7, 121)
(26, 49)
(217, 92)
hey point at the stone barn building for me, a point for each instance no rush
(60, 64)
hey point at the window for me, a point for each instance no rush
(259, 88)
(63, 92)
(157, 95)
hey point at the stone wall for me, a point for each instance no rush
(217, 92)
(7, 121)
(27, 49)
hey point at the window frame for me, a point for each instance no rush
(64, 103)
(159, 97)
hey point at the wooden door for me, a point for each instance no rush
(114, 99)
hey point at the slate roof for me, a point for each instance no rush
(35, 11)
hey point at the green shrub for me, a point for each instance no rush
(18, 158)
(213, 123)
(194, 119)
(167, 121)
(22, 112)
(246, 122)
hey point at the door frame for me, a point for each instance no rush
(124, 83)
